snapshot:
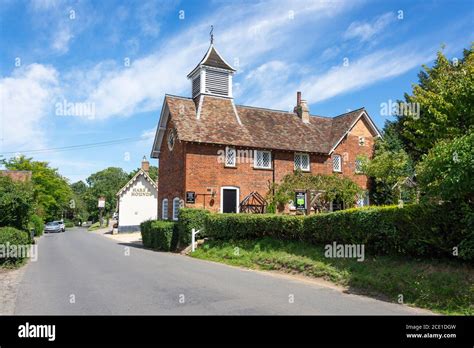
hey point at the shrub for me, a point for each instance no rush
(37, 223)
(11, 236)
(249, 226)
(416, 230)
(16, 203)
(159, 235)
(69, 224)
(188, 219)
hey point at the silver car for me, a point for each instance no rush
(61, 223)
(53, 226)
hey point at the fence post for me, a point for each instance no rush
(193, 239)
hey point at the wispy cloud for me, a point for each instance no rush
(25, 102)
(364, 31)
(244, 34)
(340, 79)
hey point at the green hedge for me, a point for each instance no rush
(37, 223)
(416, 230)
(189, 218)
(11, 236)
(159, 235)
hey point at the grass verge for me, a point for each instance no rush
(94, 226)
(444, 286)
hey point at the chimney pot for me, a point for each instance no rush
(304, 111)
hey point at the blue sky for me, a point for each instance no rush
(121, 57)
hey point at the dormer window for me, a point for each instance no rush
(213, 76)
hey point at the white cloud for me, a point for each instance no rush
(365, 31)
(364, 71)
(243, 33)
(61, 39)
(25, 101)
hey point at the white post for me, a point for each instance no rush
(193, 239)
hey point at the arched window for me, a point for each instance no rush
(175, 208)
(164, 209)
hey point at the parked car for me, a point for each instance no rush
(63, 226)
(52, 226)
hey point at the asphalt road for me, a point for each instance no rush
(78, 272)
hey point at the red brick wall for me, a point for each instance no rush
(195, 167)
(171, 173)
(349, 149)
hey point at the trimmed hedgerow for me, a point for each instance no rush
(416, 230)
(159, 235)
(189, 218)
(10, 236)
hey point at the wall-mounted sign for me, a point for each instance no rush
(190, 197)
(300, 200)
(101, 203)
(141, 192)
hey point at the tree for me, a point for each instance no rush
(389, 166)
(445, 96)
(105, 183)
(51, 191)
(447, 171)
(334, 187)
(153, 173)
(16, 203)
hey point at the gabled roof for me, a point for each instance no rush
(212, 59)
(135, 178)
(221, 122)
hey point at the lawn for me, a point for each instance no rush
(444, 286)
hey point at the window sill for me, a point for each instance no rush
(262, 168)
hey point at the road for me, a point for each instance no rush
(79, 272)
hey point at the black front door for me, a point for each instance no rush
(229, 202)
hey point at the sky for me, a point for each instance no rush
(115, 61)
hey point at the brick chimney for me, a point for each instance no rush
(301, 108)
(145, 165)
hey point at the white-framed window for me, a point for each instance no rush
(175, 208)
(262, 159)
(363, 200)
(302, 161)
(230, 157)
(358, 166)
(337, 163)
(361, 141)
(164, 209)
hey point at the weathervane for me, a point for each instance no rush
(211, 34)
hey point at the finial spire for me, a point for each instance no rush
(211, 34)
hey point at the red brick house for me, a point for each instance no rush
(212, 152)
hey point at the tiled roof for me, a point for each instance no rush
(213, 59)
(218, 123)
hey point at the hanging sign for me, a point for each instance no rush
(101, 203)
(300, 200)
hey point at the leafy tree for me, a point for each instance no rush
(153, 173)
(390, 165)
(447, 171)
(445, 95)
(16, 203)
(105, 183)
(51, 191)
(334, 187)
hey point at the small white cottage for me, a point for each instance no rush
(137, 201)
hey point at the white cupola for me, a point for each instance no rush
(212, 76)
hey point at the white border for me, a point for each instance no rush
(237, 201)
